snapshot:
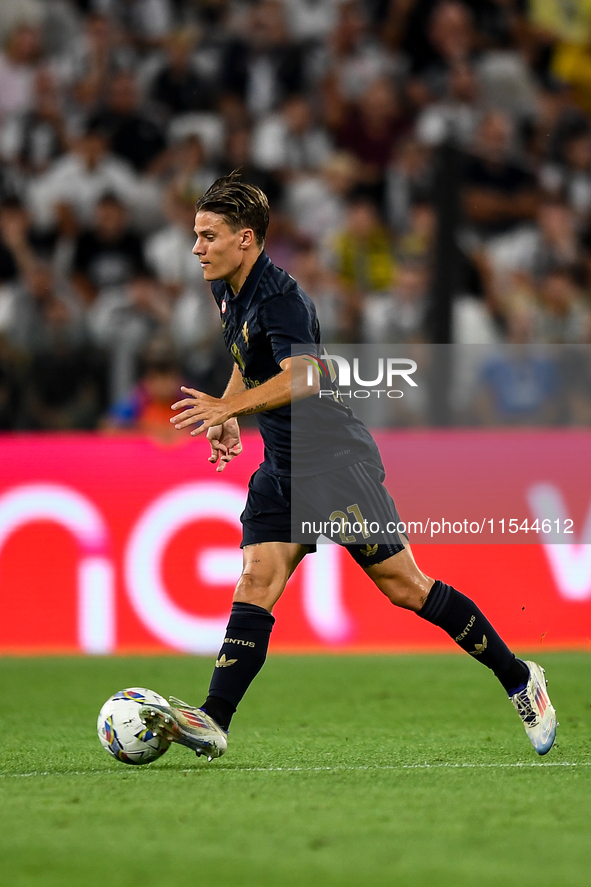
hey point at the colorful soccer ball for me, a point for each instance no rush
(122, 733)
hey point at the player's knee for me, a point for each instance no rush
(258, 590)
(409, 596)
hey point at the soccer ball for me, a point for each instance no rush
(122, 733)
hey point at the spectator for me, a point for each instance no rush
(399, 316)
(107, 254)
(571, 62)
(238, 155)
(11, 183)
(555, 117)
(168, 252)
(552, 242)
(351, 60)
(322, 285)
(122, 320)
(147, 22)
(519, 385)
(266, 66)
(63, 379)
(312, 22)
(147, 408)
(557, 244)
(290, 141)
(409, 177)
(18, 242)
(281, 241)
(18, 65)
(418, 241)
(455, 115)
(318, 203)
(36, 297)
(79, 179)
(132, 135)
(36, 138)
(500, 194)
(372, 129)
(85, 67)
(183, 168)
(448, 41)
(563, 316)
(178, 87)
(571, 175)
(363, 252)
(568, 23)
(194, 323)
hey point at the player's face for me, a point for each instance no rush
(219, 249)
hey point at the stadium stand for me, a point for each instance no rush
(115, 115)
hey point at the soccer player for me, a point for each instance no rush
(269, 326)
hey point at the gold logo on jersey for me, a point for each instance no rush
(369, 549)
(238, 357)
(245, 332)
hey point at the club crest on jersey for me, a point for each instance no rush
(224, 306)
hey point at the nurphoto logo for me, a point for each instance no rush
(388, 370)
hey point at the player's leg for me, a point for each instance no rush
(399, 578)
(266, 568)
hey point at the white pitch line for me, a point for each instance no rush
(425, 766)
(339, 768)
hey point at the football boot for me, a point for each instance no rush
(535, 710)
(187, 725)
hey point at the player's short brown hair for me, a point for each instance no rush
(241, 205)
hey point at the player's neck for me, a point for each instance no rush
(236, 279)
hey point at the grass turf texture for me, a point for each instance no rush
(409, 776)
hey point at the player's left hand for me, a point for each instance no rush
(199, 409)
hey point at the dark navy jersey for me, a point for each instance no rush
(270, 319)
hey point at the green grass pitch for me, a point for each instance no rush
(342, 770)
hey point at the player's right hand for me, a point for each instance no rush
(225, 443)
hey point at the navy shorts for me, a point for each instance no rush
(279, 509)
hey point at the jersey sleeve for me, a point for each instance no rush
(291, 325)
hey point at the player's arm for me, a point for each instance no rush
(235, 385)
(288, 385)
(291, 383)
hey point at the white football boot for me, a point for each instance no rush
(187, 725)
(536, 711)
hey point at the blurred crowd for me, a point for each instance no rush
(116, 115)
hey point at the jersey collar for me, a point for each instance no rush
(249, 287)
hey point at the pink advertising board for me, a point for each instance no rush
(122, 544)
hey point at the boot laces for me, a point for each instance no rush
(525, 709)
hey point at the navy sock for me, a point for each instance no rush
(220, 710)
(240, 659)
(470, 629)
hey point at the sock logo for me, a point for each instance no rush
(222, 662)
(479, 648)
(461, 636)
(239, 641)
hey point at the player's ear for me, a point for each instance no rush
(246, 238)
